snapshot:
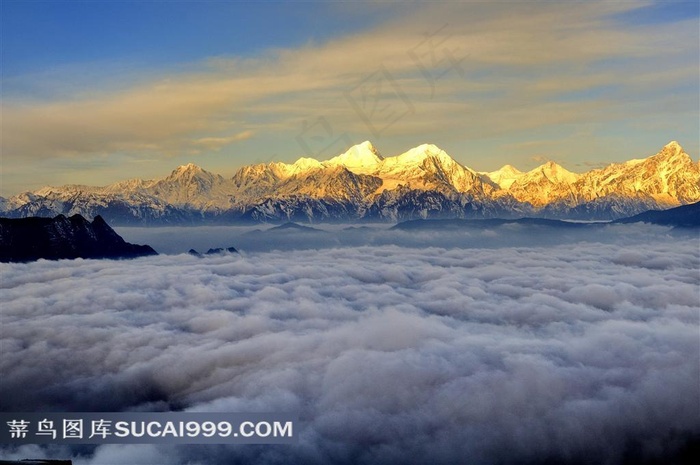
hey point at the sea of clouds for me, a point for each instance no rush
(586, 351)
(469, 234)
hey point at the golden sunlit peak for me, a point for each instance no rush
(187, 167)
(362, 155)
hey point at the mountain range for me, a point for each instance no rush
(361, 184)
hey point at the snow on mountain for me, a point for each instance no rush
(67, 190)
(303, 165)
(191, 186)
(543, 185)
(505, 176)
(359, 183)
(670, 177)
(557, 174)
(130, 185)
(427, 167)
(258, 180)
(360, 159)
(332, 183)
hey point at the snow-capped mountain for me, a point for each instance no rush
(362, 184)
(427, 167)
(190, 186)
(543, 185)
(670, 178)
(504, 177)
(360, 159)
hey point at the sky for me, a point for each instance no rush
(95, 92)
(586, 351)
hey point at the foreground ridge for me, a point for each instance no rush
(28, 239)
(361, 184)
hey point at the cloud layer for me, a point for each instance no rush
(473, 234)
(576, 353)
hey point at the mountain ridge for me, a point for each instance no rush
(685, 216)
(33, 238)
(361, 184)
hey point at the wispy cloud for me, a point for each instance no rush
(468, 70)
(216, 143)
(539, 159)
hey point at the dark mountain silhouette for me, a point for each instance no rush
(453, 224)
(213, 251)
(685, 216)
(28, 239)
(294, 226)
(36, 462)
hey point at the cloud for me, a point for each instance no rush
(488, 69)
(583, 351)
(592, 165)
(539, 159)
(266, 238)
(216, 143)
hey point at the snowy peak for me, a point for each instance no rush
(423, 167)
(362, 158)
(188, 172)
(555, 173)
(332, 183)
(509, 170)
(671, 158)
(671, 152)
(543, 185)
(427, 167)
(73, 189)
(419, 154)
(192, 187)
(187, 169)
(365, 149)
(303, 165)
(505, 176)
(128, 185)
(307, 163)
(416, 158)
(670, 178)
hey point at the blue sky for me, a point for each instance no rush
(99, 91)
(44, 34)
